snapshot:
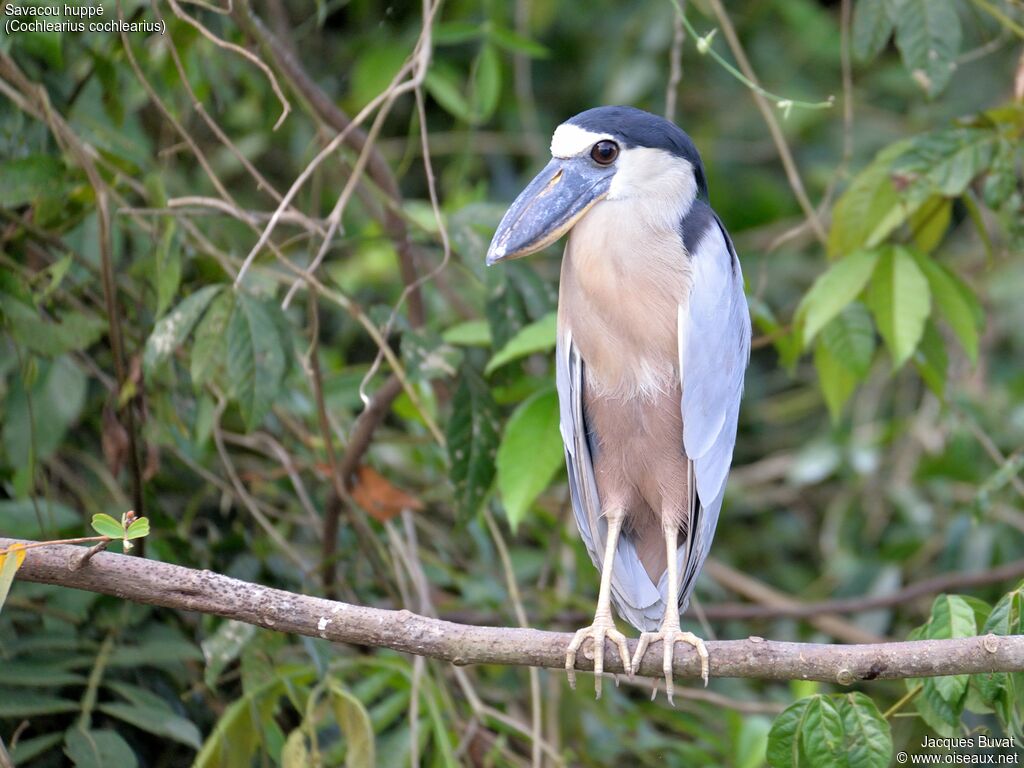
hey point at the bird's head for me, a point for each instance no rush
(644, 163)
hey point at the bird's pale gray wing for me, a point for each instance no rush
(636, 599)
(714, 349)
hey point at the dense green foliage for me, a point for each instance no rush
(879, 437)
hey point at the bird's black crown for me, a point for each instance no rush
(633, 127)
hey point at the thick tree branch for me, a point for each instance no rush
(172, 586)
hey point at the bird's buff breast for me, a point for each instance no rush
(619, 295)
(621, 288)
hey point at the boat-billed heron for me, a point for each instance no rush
(653, 341)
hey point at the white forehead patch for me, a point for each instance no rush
(570, 140)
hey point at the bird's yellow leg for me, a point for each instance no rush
(670, 632)
(603, 625)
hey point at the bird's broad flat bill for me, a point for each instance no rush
(555, 200)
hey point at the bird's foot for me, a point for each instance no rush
(669, 636)
(601, 628)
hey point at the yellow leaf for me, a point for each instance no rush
(10, 562)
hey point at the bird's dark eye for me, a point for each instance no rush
(604, 152)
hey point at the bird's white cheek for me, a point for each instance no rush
(659, 186)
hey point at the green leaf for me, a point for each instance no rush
(1007, 616)
(373, 71)
(68, 332)
(1007, 472)
(208, 349)
(142, 697)
(870, 208)
(98, 749)
(295, 753)
(56, 273)
(159, 722)
(29, 749)
(784, 736)
(941, 716)
(472, 439)
(138, 529)
(930, 223)
(931, 361)
(957, 303)
(105, 525)
(821, 734)
(28, 178)
(443, 85)
(236, 738)
(24, 703)
(867, 736)
(998, 689)
(839, 730)
(951, 617)
(516, 293)
(175, 327)
(427, 356)
(456, 32)
(834, 290)
(33, 674)
(530, 454)
(945, 162)
(223, 647)
(471, 333)
(872, 27)
(787, 342)
(36, 421)
(850, 338)
(836, 380)
(354, 722)
(162, 651)
(45, 44)
(168, 268)
(899, 298)
(1001, 179)
(256, 357)
(928, 37)
(538, 336)
(21, 521)
(486, 84)
(514, 43)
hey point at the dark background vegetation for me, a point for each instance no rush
(879, 438)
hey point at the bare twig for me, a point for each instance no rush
(341, 470)
(246, 498)
(248, 55)
(675, 62)
(526, 102)
(785, 155)
(171, 586)
(91, 552)
(924, 588)
(750, 587)
(536, 713)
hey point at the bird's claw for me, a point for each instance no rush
(597, 632)
(669, 636)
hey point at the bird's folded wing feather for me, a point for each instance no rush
(714, 348)
(636, 599)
